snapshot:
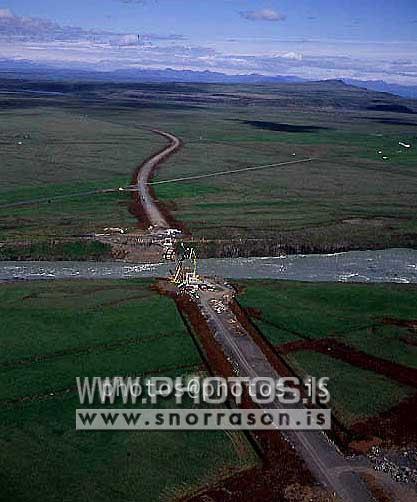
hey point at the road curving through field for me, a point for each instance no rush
(147, 204)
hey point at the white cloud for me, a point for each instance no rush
(263, 15)
(6, 14)
(292, 55)
(44, 41)
(23, 28)
(14, 27)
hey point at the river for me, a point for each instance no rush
(390, 265)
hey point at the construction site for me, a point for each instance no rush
(233, 347)
(185, 319)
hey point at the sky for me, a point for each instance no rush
(314, 39)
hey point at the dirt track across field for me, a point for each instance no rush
(320, 456)
(338, 350)
(144, 205)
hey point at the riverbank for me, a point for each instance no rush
(295, 244)
(98, 249)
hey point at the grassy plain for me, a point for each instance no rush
(365, 318)
(349, 197)
(49, 152)
(38, 249)
(55, 331)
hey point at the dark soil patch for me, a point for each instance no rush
(363, 446)
(409, 340)
(305, 344)
(275, 126)
(338, 350)
(376, 489)
(254, 313)
(397, 426)
(402, 323)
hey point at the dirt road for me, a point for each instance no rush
(321, 456)
(149, 206)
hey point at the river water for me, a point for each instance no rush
(390, 265)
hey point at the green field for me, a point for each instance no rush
(55, 331)
(66, 152)
(353, 314)
(349, 197)
(75, 249)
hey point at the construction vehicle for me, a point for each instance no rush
(186, 270)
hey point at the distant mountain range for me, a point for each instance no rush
(406, 91)
(27, 69)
